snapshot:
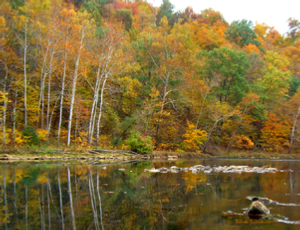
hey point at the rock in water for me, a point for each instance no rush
(257, 209)
(264, 200)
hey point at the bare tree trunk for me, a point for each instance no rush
(293, 131)
(49, 92)
(62, 95)
(25, 73)
(14, 119)
(209, 135)
(94, 106)
(162, 106)
(100, 109)
(49, 122)
(75, 75)
(42, 86)
(60, 202)
(71, 200)
(4, 109)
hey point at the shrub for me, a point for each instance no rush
(242, 142)
(194, 138)
(30, 135)
(138, 143)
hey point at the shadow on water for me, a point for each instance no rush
(126, 196)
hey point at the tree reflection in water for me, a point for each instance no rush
(83, 196)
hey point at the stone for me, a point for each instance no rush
(264, 200)
(153, 170)
(257, 210)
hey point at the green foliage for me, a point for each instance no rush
(241, 33)
(225, 69)
(16, 3)
(166, 9)
(30, 135)
(294, 85)
(93, 8)
(127, 124)
(126, 17)
(139, 143)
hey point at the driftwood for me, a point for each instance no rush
(125, 152)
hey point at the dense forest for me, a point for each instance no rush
(113, 73)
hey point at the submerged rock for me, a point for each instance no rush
(264, 200)
(153, 170)
(257, 210)
(218, 169)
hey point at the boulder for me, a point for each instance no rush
(257, 210)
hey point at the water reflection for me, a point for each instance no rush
(86, 196)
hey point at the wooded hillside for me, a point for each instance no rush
(111, 73)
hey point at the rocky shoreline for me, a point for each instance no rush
(42, 155)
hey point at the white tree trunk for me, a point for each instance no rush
(293, 130)
(4, 109)
(14, 118)
(166, 82)
(25, 73)
(100, 109)
(75, 75)
(42, 86)
(94, 105)
(62, 97)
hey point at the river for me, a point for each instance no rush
(99, 195)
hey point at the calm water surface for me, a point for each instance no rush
(90, 196)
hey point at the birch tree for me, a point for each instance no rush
(82, 28)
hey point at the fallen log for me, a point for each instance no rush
(125, 152)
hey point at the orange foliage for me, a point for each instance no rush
(250, 48)
(242, 142)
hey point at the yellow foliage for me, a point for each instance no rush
(104, 142)
(194, 137)
(6, 137)
(42, 133)
(3, 98)
(18, 138)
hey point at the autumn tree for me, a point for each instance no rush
(228, 68)
(241, 33)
